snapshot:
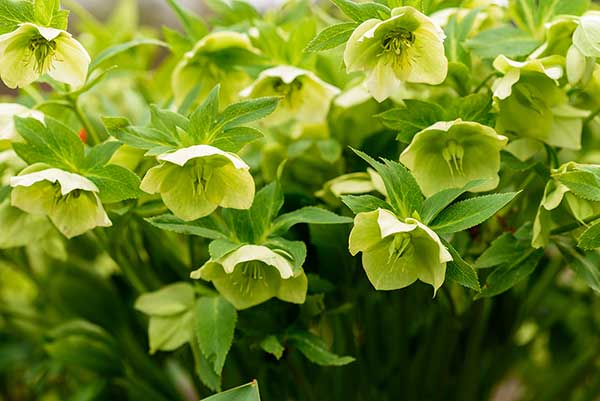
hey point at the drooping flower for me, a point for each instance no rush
(70, 200)
(531, 104)
(194, 181)
(8, 112)
(587, 34)
(407, 47)
(253, 274)
(216, 58)
(353, 183)
(449, 154)
(31, 51)
(305, 97)
(396, 253)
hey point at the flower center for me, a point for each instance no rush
(201, 175)
(42, 52)
(453, 154)
(251, 272)
(288, 91)
(401, 245)
(397, 41)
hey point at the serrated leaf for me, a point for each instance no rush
(414, 117)
(201, 228)
(584, 184)
(205, 115)
(586, 266)
(508, 275)
(331, 37)
(13, 13)
(194, 26)
(315, 349)
(204, 369)
(474, 107)
(590, 238)
(272, 345)
(460, 271)
(247, 392)
(507, 40)
(503, 249)
(471, 212)
(100, 154)
(308, 214)
(247, 111)
(44, 11)
(113, 51)
(115, 183)
(440, 200)
(233, 139)
(138, 137)
(215, 325)
(364, 203)
(360, 12)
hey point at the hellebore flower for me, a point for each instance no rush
(252, 274)
(70, 200)
(353, 183)
(305, 97)
(555, 193)
(216, 58)
(451, 154)
(194, 181)
(587, 34)
(8, 112)
(407, 47)
(531, 104)
(31, 51)
(397, 253)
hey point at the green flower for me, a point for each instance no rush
(216, 58)
(407, 47)
(397, 253)
(70, 200)
(253, 274)
(305, 97)
(451, 154)
(8, 111)
(194, 181)
(531, 104)
(587, 34)
(556, 194)
(31, 51)
(353, 183)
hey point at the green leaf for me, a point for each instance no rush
(586, 266)
(508, 275)
(204, 369)
(308, 214)
(331, 37)
(507, 40)
(402, 189)
(247, 111)
(460, 271)
(504, 249)
(590, 238)
(193, 25)
(471, 212)
(474, 107)
(205, 116)
(363, 11)
(201, 228)
(138, 137)
(315, 349)
(456, 33)
(414, 117)
(234, 139)
(584, 184)
(60, 19)
(247, 392)
(531, 15)
(171, 299)
(167, 333)
(232, 12)
(433, 205)
(215, 325)
(364, 203)
(272, 345)
(122, 47)
(100, 154)
(44, 11)
(13, 13)
(115, 183)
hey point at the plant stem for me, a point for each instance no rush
(89, 127)
(572, 226)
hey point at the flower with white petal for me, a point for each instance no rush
(70, 200)
(449, 154)
(407, 47)
(304, 96)
(253, 274)
(397, 253)
(194, 181)
(587, 34)
(8, 112)
(31, 51)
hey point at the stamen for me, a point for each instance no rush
(396, 42)
(42, 51)
(401, 245)
(453, 154)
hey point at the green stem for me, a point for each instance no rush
(591, 116)
(485, 81)
(89, 127)
(572, 226)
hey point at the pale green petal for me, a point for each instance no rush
(77, 213)
(8, 111)
(182, 156)
(565, 131)
(524, 148)
(16, 68)
(587, 34)
(261, 253)
(365, 234)
(541, 228)
(385, 274)
(68, 181)
(20, 228)
(553, 194)
(361, 52)
(502, 87)
(429, 64)
(389, 224)
(234, 187)
(293, 289)
(381, 81)
(71, 61)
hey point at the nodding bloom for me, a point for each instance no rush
(253, 274)
(451, 154)
(8, 112)
(70, 200)
(305, 97)
(396, 253)
(407, 47)
(31, 51)
(194, 181)
(216, 58)
(532, 105)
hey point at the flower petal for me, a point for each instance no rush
(71, 61)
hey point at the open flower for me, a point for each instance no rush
(194, 181)
(397, 253)
(8, 112)
(531, 104)
(451, 154)
(305, 97)
(587, 34)
(70, 200)
(252, 274)
(31, 51)
(216, 58)
(407, 47)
